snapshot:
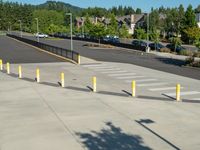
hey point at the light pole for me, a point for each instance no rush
(70, 14)
(20, 27)
(147, 33)
(37, 30)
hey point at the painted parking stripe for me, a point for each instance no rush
(121, 74)
(151, 84)
(129, 77)
(183, 93)
(94, 65)
(145, 80)
(197, 99)
(163, 89)
(112, 69)
(114, 72)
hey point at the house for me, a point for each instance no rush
(131, 21)
(198, 19)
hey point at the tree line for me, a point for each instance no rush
(176, 24)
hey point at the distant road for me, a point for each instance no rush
(16, 52)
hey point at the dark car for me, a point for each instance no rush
(156, 46)
(139, 45)
(174, 48)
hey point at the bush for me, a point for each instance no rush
(197, 54)
(189, 60)
(186, 53)
(165, 50)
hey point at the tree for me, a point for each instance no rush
(190, 18)
(140, 34)
(138, 11)
(123, 31)
(193, 34)
(176, 41)
(98, 31)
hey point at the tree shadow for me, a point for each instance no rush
(112, 138)
(171, 61)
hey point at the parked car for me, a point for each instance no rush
(41, 35)
(111, 39)
(177, 49)
(139, 45)
(156, 46)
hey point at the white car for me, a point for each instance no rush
(41, 35)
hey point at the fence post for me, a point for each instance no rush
(8, 67)
(1, 64)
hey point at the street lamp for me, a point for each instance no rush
(70, 14)
(20, 27)
(37, 30)
(147, 33)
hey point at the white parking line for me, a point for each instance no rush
(163, 88)
(145, 80)
(114, 72)
(129, 77)
(183, 93)
(152, 84)
(121, 74)
(112, 69)
(197, 99)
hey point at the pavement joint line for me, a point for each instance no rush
(67, 129)
(39, 49)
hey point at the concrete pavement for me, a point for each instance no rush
(44, 116)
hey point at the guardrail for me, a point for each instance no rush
(72, 55)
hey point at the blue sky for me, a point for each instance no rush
(143, 4)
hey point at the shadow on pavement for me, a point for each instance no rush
(154, 98)
(112, 138)
(171, 61)
(142, 122)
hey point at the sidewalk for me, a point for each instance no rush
(47, 117)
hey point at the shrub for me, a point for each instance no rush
(189, 60)
(197, 54)
(186, 53)
(165, 50)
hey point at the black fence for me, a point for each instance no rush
(72, 55)
(123, 45)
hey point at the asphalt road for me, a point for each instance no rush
(16, 52)
(124, 56)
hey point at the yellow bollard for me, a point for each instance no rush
(1, 64)
(94, 81)
(133, 88)
(8, 68)
(62, 76)
(178, 87)
(20, 72)
(79, 59)
(38, 75)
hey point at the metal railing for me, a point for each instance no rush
(72, 55)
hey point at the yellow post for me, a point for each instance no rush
(94, 81)
(1, 64)
(62, 76)
(20, 72)
(133, 88)
(38, 75)
(8, 68)
(178, 87)
(79, 59)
